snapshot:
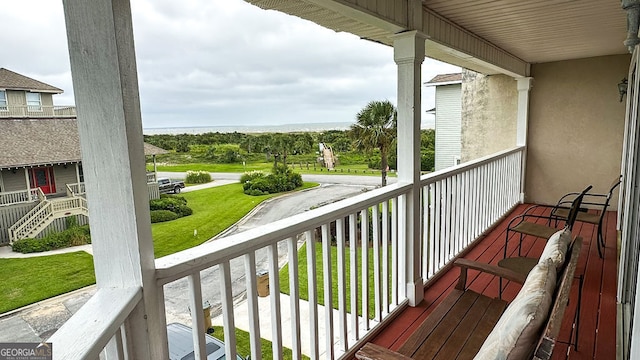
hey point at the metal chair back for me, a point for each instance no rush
(575, 207)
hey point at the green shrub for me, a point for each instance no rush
(176, 197)
(166, 203)
(77, 235)
(198, 177)
(71, 221)
(282, 179)
(162, 216)
(177, 205)
(251, 175)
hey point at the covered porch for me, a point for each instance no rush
(415, 228)
(596, 338)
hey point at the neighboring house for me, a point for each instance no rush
(448, 112)
(40, 161)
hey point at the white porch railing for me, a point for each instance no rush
(76, 189)
(44, 213)
(21, 196)
(20, 111)
(461, 203)
(458, 205)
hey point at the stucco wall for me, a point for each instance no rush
(489, 108)
(576, 126)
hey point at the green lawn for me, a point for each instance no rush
(304, 279)
(244, 345)
(214, 210)
(29, 280)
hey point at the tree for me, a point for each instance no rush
(375, 128)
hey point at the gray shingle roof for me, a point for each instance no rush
(445, 78)
(14, 81)
(28, 142)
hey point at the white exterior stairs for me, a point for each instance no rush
(43, 214)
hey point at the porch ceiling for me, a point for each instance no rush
(486, 36)
(542, 30)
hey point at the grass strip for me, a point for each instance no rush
(214, 210)
(243, 345)
(303, 278)
(29, 280)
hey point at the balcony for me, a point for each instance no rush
(597, 337)
(24, 111)
(457, 207)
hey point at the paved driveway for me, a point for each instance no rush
(42, 319)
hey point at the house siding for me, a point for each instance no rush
(16, 98)
(64, 176)
(448, 122)
(576, 127)
(13, 182)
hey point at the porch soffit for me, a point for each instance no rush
(542, 30)
(486, 36)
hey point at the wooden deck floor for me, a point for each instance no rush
(597, 331)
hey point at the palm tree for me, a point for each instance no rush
(375, 128)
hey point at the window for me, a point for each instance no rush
(33, 101)
(80, 173)
(3, 100)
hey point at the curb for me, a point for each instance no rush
(259, 207)
(56, 299)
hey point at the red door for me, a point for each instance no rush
(43, 178)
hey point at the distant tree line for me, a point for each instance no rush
(280, 147)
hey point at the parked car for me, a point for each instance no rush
(169, 186)
(181, 344)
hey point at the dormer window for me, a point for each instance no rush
(3, 100)
(34, 103)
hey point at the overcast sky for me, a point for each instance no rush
(220, 62)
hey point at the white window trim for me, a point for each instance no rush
(33, 107)
(4, 107)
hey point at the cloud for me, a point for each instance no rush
(220, 62)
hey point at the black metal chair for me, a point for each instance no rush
(520, 225)
(561, 211)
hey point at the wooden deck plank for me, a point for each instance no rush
(605, 345)
(597, 330)
(452, 347)
(475, 341)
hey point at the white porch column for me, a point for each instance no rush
(409, 54)
(78, 175)
(26, 178)
(524, 87)
(103, 64)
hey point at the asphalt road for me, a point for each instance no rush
(177, 294)
(42, 319)
(319, 178)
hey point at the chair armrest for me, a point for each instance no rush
(465, 264)
(376, 352)
(523, 217)
(533, 207)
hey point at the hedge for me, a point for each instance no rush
(198, 177)
(76, 235)
(162, 216)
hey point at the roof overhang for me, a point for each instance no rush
(488, 37)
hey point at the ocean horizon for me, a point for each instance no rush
(286, 128)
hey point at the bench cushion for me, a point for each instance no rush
(516, 333)
(556, 248)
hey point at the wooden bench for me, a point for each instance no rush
(460, 324)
